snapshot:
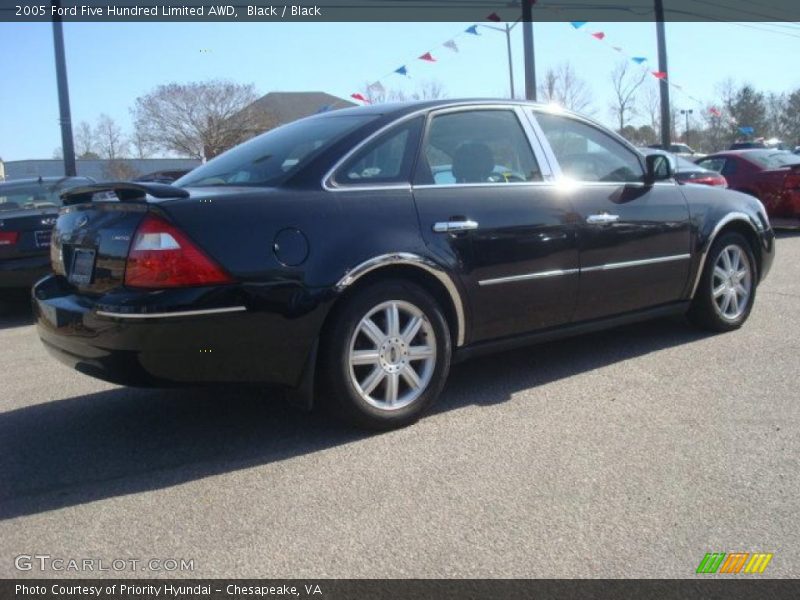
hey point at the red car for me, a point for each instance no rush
(772, 176)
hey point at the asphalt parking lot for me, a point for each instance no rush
(629, 453)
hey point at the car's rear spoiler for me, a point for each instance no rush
(124, 190)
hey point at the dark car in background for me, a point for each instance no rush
(28, 210)
(772, 176)
(359, 252)
(163, 176)
(685, 171)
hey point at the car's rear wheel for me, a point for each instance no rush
(386, 355)
(727, 288)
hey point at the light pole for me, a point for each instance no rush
(67, 147)
(527, 44)
(663, 86)
(686, 134)
(507, 30)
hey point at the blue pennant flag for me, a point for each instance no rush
(639, 59)
(402, 71)
(473, 29)
(577, 24)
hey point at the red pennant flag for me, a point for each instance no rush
(599, 35)
(659, 74)
(427, 56)
(359, 97)
(494, 17)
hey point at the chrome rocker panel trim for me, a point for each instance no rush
(167, 315)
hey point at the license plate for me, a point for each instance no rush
(43, 238)
(82, 267)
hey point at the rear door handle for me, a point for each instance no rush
(445, 226)
(602, 218)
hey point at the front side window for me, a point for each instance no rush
(387, 159)
(273, 157)
(586, 153)
(476, 146)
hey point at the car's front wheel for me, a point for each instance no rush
(727, 288)
(386, 355)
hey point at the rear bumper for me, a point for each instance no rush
(229, 341)
(23, 272)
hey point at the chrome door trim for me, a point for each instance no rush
(527, 276)
(602, 219)
(168, 315)
(636, 263)
(729, 218)
(445, 226)
(414, 260)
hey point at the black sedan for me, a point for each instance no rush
(28, 210)
(353, 255)
(685, 171)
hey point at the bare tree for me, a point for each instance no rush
(118, 170)
(142, 146)
(652, 106)
(199, 119)
(85, 141)
(110, 141)
(625, 83)
(562, 85)
(430, 89)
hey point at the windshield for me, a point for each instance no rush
(272, 157)
(773, 160)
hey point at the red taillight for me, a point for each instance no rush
(161, 256)
(715, 180)
(8, 238)
(792, 181)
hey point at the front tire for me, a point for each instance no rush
(386, 356)
(727, 289)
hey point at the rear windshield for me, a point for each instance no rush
(272, 157)
(772, 159)
(22, 196)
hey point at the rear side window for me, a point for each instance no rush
(387, 159)
(714, 164)
(586, 153)
(273, 157)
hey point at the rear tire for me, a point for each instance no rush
(727, 289)
(385, 357)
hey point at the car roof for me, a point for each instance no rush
(396, 109)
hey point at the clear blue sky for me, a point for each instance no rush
(109, 65)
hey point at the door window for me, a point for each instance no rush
(476, 146)
(586, 153)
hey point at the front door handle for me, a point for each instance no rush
(602, 219)
(450, 226)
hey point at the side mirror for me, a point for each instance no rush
(658, 168)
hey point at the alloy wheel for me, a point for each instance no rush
(392, 355)
(731, 282)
